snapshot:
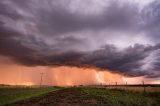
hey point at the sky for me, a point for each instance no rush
(91, 39)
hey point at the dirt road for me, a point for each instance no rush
(65, 97)
(86, 96)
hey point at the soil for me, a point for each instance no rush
(65, 97)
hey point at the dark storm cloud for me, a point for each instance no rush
(151, 16)
(10, 46)
(129, 61)
(62, 21)
(4, 10)
(47, 32)
(53, 18)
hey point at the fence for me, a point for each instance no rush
(141, 87)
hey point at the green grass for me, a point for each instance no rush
(81, 96)
(11, 95)
(115, 97)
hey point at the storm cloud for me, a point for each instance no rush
(119, 35)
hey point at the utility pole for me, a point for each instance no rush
(41, 80)
(116, 85)
(20, 76)
(144, 88)
(126, 85)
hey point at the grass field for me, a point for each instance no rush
(132, 88)
(89, 96)
(118, 97)
(141, 89)
(10, 95)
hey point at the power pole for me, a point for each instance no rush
(116, 85)
(126, 85)
(41, 80)
(19, 76)
(144, 88)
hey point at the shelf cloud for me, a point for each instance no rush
(122, 36)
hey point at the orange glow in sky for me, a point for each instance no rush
(63, 76)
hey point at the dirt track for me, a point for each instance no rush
(86, 96)
(65, 97)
